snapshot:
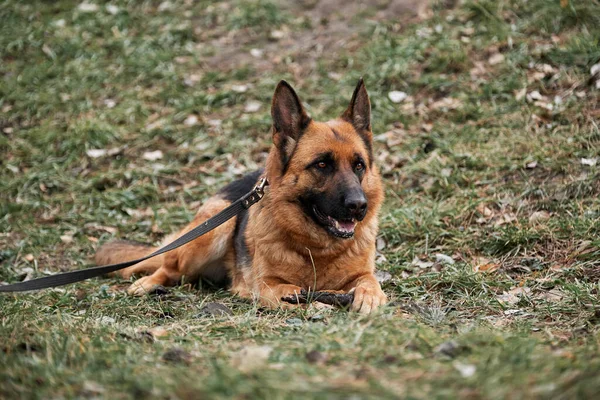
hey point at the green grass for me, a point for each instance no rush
(473, 171)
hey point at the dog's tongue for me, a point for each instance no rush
(345, 226)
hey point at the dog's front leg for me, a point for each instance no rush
(272, 290)
(368, 295)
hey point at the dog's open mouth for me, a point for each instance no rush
(342, 228)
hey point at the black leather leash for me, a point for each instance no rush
(234, 209)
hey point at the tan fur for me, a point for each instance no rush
(289, 251)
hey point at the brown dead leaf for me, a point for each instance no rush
(478, 70)
(446, 104)
(158, 332)
(484, 265)
(520, 94)
(392, 138)
(558, 268)
(109, 229)
(551, 295)
(513, 295)
(539, 216)
(496, 59)
(484, 210)
(505, 219)
(66, 239)
(531, 165)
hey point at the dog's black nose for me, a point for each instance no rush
(356, 203)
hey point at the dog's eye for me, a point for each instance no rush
(322, 164)
(359, 166)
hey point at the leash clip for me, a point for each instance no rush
(256, 194)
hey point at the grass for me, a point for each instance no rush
(477, 167)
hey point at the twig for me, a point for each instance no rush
(343, 300)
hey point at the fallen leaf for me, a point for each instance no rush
(595, 74)
(513, 295)
(531, 165)
(468, 31)
(520, 94)
(239, 88)
(106, 320)
(256, 53)
(380, 243)
(153, 155)
(539, 216)
(446, 104)
(66, 239)
(551, 295)
(417, 262)
(251, 357)
(215, 310)
(96, 153)
(496, 59)
(444, 259)
(392, 138)
(48, 51)
(87, 7)
(252, 106)
(158, 332)
(590, 162)
(164, 6)
(482, 264)
(278, 34)
(110, 103)
(397, 96)
(484, 210)
(465, 370)
(109, 229)
(191, 120)
(382, 276)
(25, 274)
(535, 95)
(191, 80)
(91, 388)
(505, 219)
(112, 9)
(512, 312)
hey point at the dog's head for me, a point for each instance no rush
(323, 170)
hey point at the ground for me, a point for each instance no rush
(117, 119)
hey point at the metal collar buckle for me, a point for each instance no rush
(256, 194)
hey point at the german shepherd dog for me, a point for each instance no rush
(314, 230)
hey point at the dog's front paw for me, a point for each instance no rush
(367, 299)
(142, 286)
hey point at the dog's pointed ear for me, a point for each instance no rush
(289, 120)
(358, 112)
